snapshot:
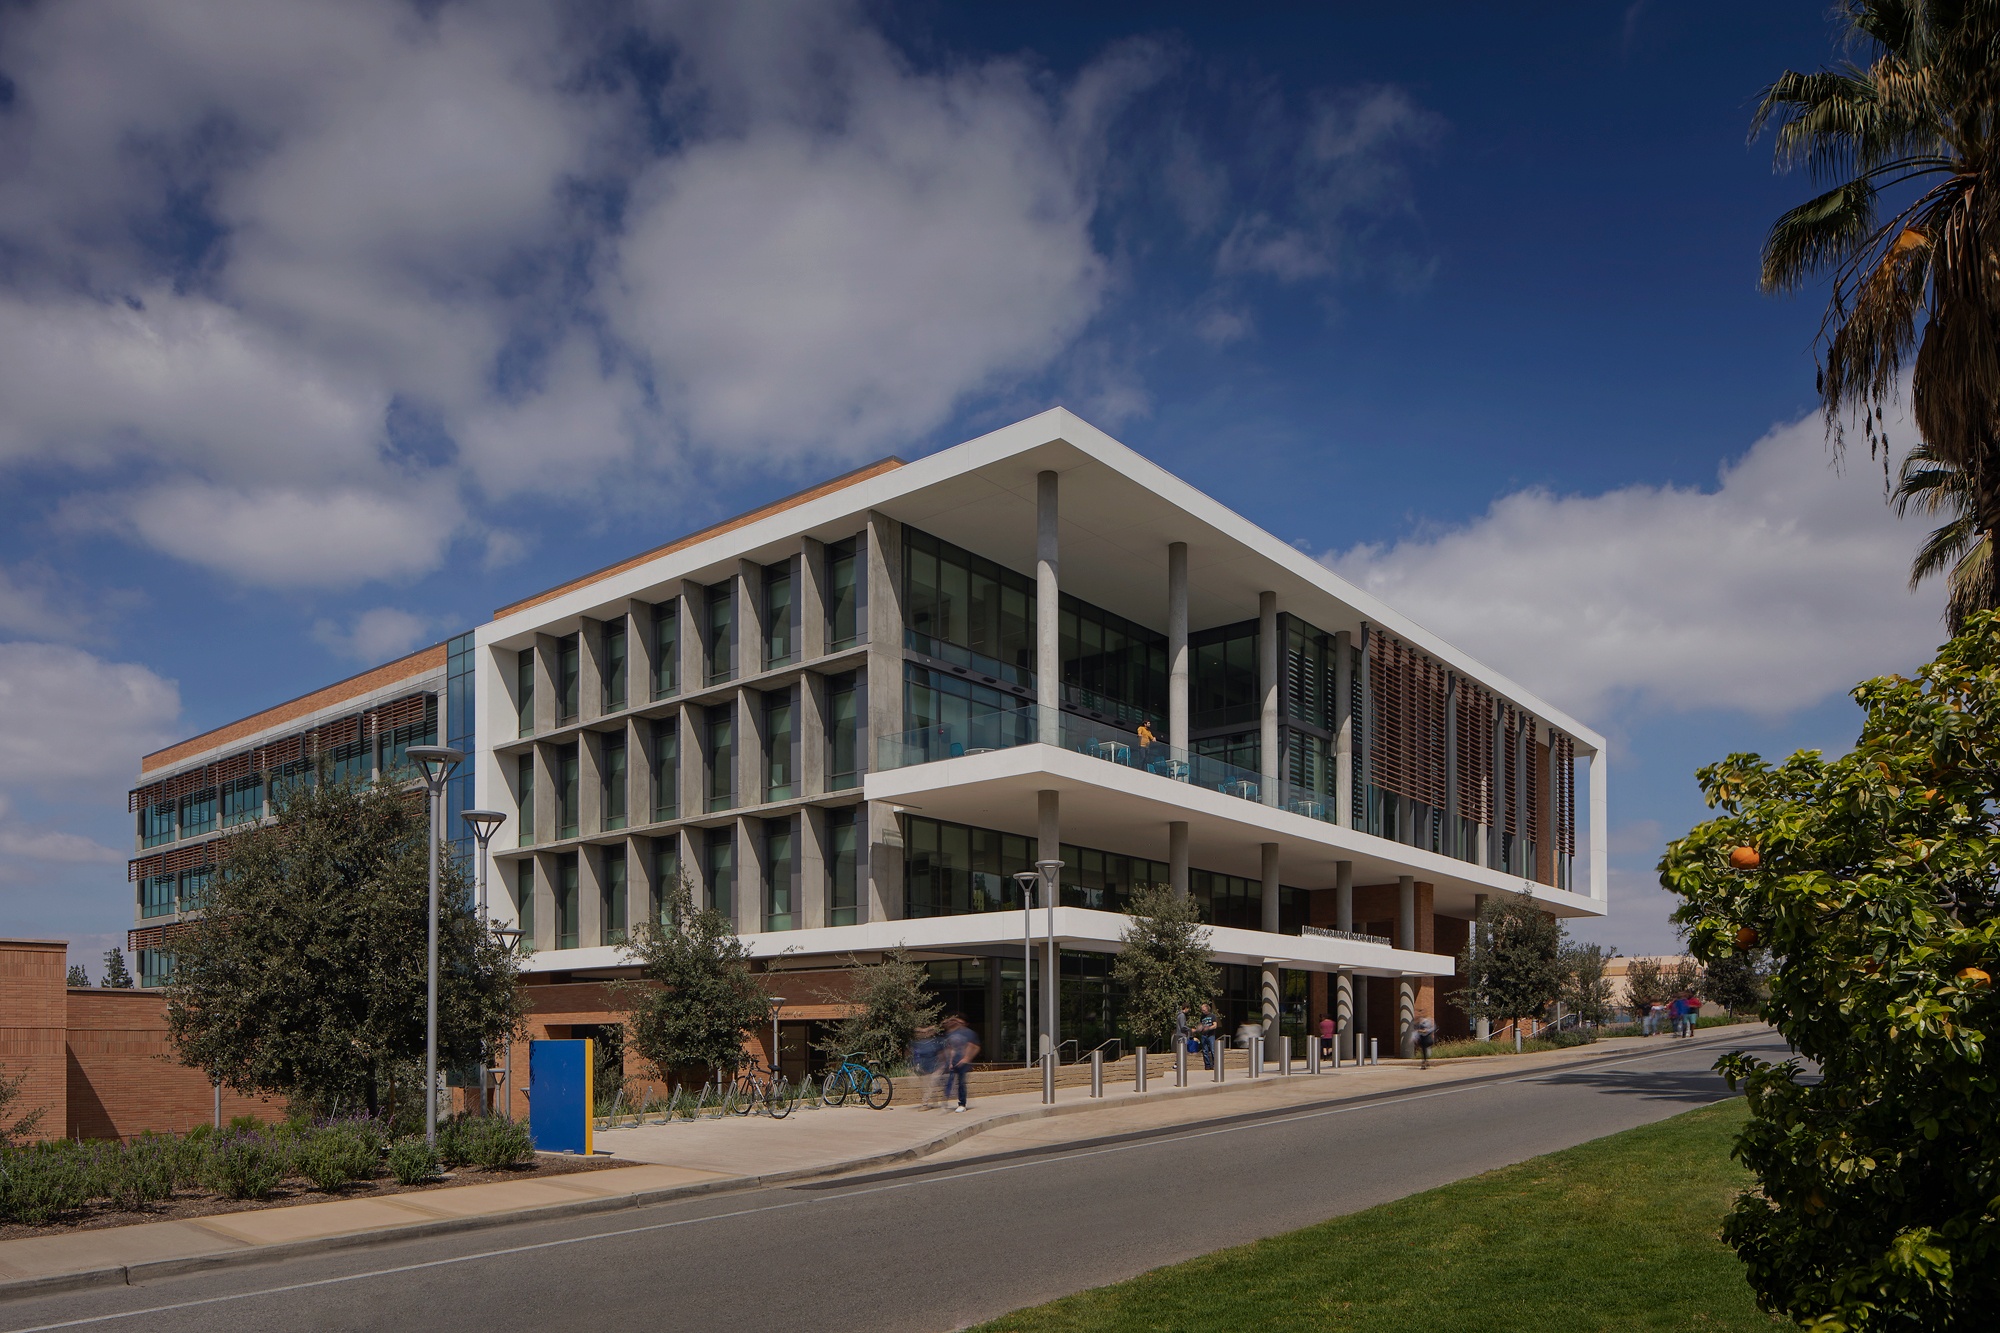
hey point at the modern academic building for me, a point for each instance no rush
(850, 718)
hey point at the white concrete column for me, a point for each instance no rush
(1268, 657)
(1600, 829)
(1177, 856)
(1406, 985)
(1048, 847)
(1269, 905)
(1343, 919)
(1269, 994)
(1343, 735)
(1048, 638)
(1179, 673)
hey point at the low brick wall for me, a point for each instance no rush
(123, 1077)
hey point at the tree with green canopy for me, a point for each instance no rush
(116, 975)
(77, 976)
(1163, 967)
(1903, 142)
(305, 974)
(1512, 961)
(893, 998)
(1874, 882)
(696, 1002)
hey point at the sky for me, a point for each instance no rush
(327, 327)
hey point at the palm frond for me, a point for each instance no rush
(1822, 232)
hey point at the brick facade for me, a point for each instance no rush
(32, 1021)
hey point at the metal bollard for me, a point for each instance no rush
(1221, 1061)
(1049, 1079)
(1256, 1057)
(1284, 1055)
(1180, 1064)
(1139, 1069)
(1312, 1056)
(1374, 1051)
(1097, 1073)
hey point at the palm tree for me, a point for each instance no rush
(1918, 120)
(1956, 548)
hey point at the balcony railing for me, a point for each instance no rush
(1006, 728)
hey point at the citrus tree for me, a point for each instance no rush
(1874, 882)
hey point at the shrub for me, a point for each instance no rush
(499, 1143)
(41, 1182)
(334, 1155)
(142, 1171)
(245, 1166)
(412, 1161)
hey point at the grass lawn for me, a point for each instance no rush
(1618, 1234)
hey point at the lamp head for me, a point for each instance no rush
(1027, 879)
(1049, 868)
(484, 822)
(437, 762)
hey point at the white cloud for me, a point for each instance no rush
(76, 719)
(380, 635)
(38, 844)
(1780, 587)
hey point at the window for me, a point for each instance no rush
(1224, 688)
(966, 610)
(614, 665)
(242, 802)
(666, 877)
(194, 888)
(156, 896)
(722, 757)
(524, 689)
(524, 787)
(614, 781)
(353, 762)
(1309, 675)
(843, 731)
(524, 900)
(952, 869)
(843, 594)
(566, 904)
(721, 634)
(666, 649)
(156, 823)
(780, 639)
(779, 866)
(949, 715)
(198, 813)
(780, 736)
(569, 671)
(666, 770)
(1111, 665)
(568, 771)
(396, 743)
(612, 915)
(1241, 750)
(843, 866)
(719, 856)
(156, 967)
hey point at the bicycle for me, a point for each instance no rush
(855, 1078)
(756, 1085)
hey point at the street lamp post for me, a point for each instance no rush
(438, 762)
(777, 1003)
(484, 824)
(1027, 879)
(1051, 885)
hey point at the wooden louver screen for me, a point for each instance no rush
(194, 857)
(407, 711)
(1562, 751)
(1407, 741)
(1475, 752)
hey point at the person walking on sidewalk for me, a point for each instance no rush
(1327, 1032)
(1206, 1029)
(925, 1055)
(961, 1047)
(1427, 1033)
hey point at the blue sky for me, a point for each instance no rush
(326, 329)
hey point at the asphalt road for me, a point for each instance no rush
(923, 1250)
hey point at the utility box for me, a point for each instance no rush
(560, 1097)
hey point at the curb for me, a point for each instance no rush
(133, 1274)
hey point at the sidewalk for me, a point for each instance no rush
(698, 1157)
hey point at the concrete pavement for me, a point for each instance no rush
(689, 1159)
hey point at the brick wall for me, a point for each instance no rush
(123, 1077)
(31, 1028)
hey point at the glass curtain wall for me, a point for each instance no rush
(843, 731)
(666, 649)
(965, 609)
(666, 770)
(780, 874)
(568, 774)
(721, 665)
(843, 594)
(615, 779)
(719, 857)
(614, 665)
(843, 866)
(569, 674)
(780, 637)
(721, 757)
(524, 794)
(666, 878)
(567, 916)
(524, 690)
(780, 747)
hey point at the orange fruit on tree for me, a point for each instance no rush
(1746, 938)
(1745, 858)
(1974, 976)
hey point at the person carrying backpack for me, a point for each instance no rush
(1427, 1031)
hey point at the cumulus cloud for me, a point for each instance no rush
(74, 719)
(379, 635)
(249, 244)
(1779, 587)
(41, 844)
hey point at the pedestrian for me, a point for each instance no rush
(961, 1047)
(1205, 1029)
(1679, 1011)
(1653, 1013)
(924, 1058)
(1328, 1031)
(1183, 1035)
(1427, 1031)
(1147, 736)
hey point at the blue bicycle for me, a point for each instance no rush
(854, 1078)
